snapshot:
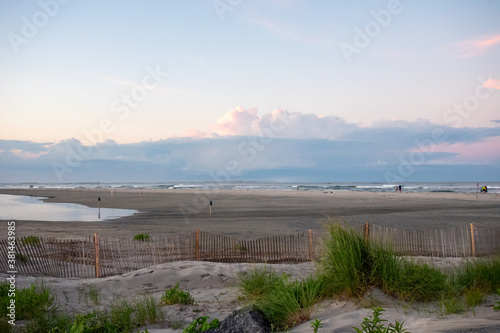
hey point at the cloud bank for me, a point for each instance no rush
(281, 146)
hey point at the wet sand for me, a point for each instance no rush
(253, 214)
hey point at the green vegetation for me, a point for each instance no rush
(316, 325)
(497, 307)
(259, 282)
(38, 305)
(21, 258)
(142, 237)
(31, 240)
(285, 303)
(375, 324)
(350, 266)
(176, 296)
(89, 293)
(201, 324)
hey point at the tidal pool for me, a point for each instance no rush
(21, 207)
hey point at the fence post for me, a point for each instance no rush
(367, 231)
(97, 256)
(473, 242)
(311, 252)
(197, 244)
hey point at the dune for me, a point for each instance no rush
(213, 286)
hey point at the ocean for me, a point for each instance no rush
(452, 187)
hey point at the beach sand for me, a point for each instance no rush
(213, 287)
(248, 215)
(253, 214)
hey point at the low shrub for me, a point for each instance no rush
(142, 237)
(375, 324)
(201, 324)
(176, 296)
(31, 240)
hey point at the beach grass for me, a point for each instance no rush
(259, 282)
(350, 266)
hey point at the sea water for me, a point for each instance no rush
(453, 187)
(27, 208)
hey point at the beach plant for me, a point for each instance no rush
(479, 274)
(201, 324)
(316, 325)
(21, 258)
(147, 311)
(89, 293)
(176, 296)
(345, 264)
(350, 266)
(292, 303)
(497, 307)
(31, 240)
(474, 296)
(375, 324)
(259, 282)
(142, 237)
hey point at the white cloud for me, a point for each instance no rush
(243, 145)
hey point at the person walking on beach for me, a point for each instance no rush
(399, 188)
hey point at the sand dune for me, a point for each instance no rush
(213, 287)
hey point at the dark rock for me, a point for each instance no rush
(244, 321)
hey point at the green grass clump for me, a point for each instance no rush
(346, 262)
(292, 303)
(176, 296)
(285, 303)
(32, 301)
(350, 266)
(142, 237)
(478, 274)
(31, 240)
(21, 258)
(259, 282)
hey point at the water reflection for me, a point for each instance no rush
(21, 207)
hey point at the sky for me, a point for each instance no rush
(387, 91)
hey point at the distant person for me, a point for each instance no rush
(485, 189)
(399, 188)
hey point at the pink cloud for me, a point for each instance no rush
(487, 150)
(495, 84)
(477, 47)
(279, 123)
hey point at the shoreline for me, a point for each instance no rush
(250, 214)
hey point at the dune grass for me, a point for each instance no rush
(350, 266)
(259, 282)
(283, 301)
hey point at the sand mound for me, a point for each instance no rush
(213, 287)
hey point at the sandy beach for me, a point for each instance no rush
(248, 215)
(213, 287)
(252, 214)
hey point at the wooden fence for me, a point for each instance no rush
(98, 257)
(464, 241)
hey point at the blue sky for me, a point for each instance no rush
(388, 91)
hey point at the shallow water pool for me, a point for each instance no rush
(21, 207)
